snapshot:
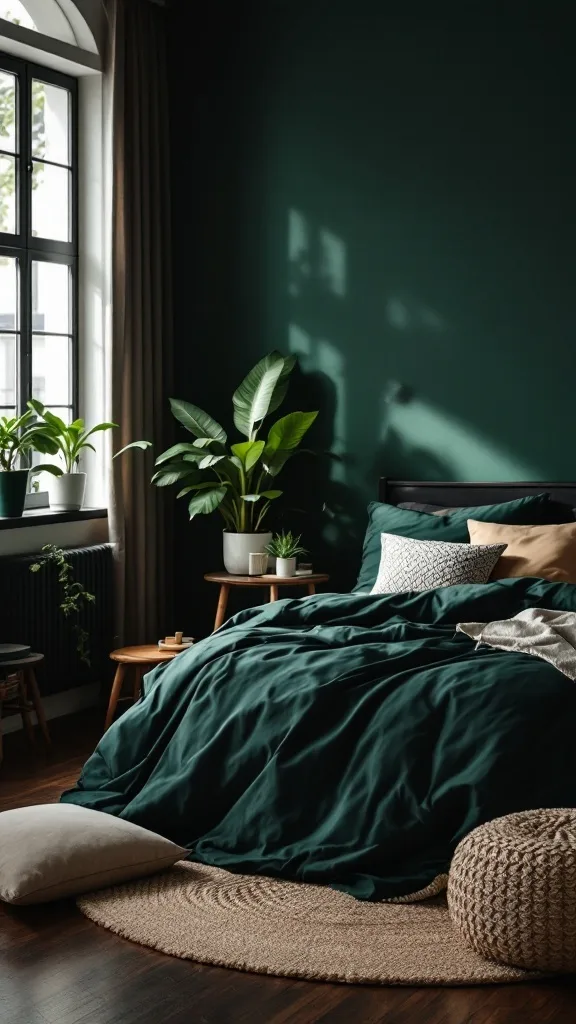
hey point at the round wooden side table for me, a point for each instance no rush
(227, 580)
(140, 660)
(25, 696)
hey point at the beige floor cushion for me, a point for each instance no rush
(53, 850)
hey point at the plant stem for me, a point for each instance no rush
(242, 502)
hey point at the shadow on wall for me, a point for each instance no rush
(374, 413)
(412, 194)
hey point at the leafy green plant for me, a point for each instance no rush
(74, 596)
(19, 435)
(237, 479)
(71, 439)
(285, 545)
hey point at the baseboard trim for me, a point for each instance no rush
(59, 704)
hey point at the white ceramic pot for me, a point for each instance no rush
(285, 567)
(67, 491)
(237, 548)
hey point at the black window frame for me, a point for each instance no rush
(26, 247)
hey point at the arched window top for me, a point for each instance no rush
(45, 16)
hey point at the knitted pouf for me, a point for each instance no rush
(512, 889)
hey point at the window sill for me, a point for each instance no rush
(47, 517)
(29, 533)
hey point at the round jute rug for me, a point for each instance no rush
(270, 926)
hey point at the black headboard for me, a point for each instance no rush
(451, 494)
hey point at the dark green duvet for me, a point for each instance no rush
(344, 739)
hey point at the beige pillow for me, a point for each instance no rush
(545, 551)
(52, 850)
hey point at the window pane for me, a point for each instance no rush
(50, 122)
(45, 16)
(50, 204)
(51, 370)
(14, 11)
(50, 297)
(7, 111)
(7, 370)
(8, 194)
(8, 294)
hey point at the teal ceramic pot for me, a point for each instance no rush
(13, 492)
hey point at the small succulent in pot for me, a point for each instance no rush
(284, 547)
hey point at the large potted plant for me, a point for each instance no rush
(19, 436)
(67, 486)
(239, 480)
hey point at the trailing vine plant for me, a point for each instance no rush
(74, 596)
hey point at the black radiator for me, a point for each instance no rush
(31, 614)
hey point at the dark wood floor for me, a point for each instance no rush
(56, 967)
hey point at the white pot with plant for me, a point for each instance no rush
(237, 479)
(67, 487)
(19, 437)
(285, 548)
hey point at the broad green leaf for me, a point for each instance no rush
(253, 397)
(173, 474)
(274, 461)
(178, 449)
(203, 504)
(197, 487)
(196, 457)
(248, 452)
(77, 424)
(208, 485)
(99, 426)
(143, 445)
(281, 388)
(167, 479)
(228, 468)
(269, 495)
(47, 468)
(43, 443)
(55, 421)
(215, 446)
(287, 432)
(196, 420)
(210, 460)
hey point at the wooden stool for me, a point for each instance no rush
(227, 580)
(23, 696)
(141, 659)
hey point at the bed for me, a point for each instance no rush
(452, 494)
(349, 739)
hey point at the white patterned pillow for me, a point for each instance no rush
(408, 564)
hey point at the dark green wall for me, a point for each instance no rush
(392, 197)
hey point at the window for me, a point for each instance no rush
(44, 16)
(38, 239)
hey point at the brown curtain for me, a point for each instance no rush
(141, 328)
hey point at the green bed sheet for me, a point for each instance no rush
(343, 739)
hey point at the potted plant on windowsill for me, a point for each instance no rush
(237, 479)
(19, 436)
(67, 487)
(284, 547)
